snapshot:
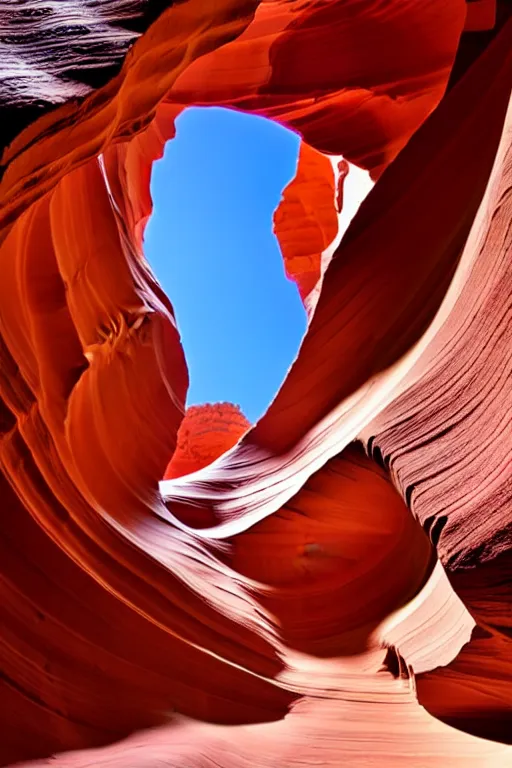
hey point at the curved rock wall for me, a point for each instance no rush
(298, 599)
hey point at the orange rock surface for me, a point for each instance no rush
(349, 74)
(206, 432)
(335, 588)
(306, 222)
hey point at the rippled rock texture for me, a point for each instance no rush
(206, 432)
(336, 587)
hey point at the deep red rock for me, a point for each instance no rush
(297, 600)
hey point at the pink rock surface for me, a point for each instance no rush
(298, 600)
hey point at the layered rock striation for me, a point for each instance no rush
(335, 587)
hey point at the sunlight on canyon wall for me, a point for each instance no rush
(336, 586)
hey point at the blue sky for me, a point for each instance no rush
(210, 243)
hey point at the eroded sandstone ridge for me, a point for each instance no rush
(206, 432)
(336, 587)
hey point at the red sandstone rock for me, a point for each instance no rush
(481, 15)
(306, 221)
(349, 76)
(285, 598)
(206, 432)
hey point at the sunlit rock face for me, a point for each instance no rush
(206, 432)
(336, 587)
(306, 220)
